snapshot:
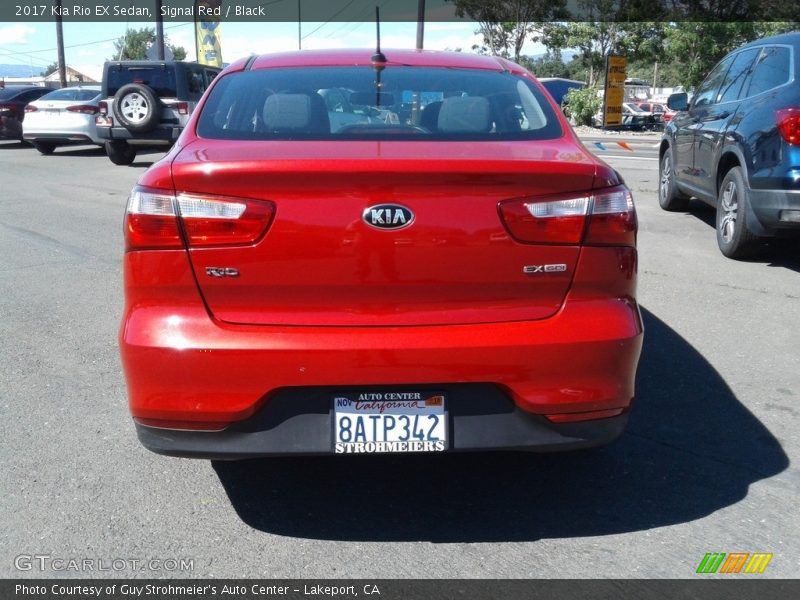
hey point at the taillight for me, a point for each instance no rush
(183, 108)
(546, 220)
(612, 220)
(605, 217)
(102, 107)
(789, 124)
(84, 109)
(152, 220)
(8, 108)
(30, 108)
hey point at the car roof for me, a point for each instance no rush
(92, 87)
(791, 39)
(156, 63)
(394, 57)
(13, 90)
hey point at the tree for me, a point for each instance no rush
(698, 46)
(51, 68)
(134, 44)
(507, 24)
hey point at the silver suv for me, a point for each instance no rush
(147, 103)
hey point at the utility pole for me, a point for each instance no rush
(159, 31)
(299, 27)
(420, 23)
(655, 78)
(62, 66)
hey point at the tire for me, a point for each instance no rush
(669, 197)
(44, 147)
(734, 237)
(137, 108)
(120, 153)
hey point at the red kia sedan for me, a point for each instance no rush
(355, 253)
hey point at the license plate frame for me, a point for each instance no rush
(389, 422)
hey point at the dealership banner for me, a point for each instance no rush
(207, 26)
(400, 589)
(343, 11)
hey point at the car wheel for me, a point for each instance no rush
(734, 237)
(120, 153)
(44, 147)
(669, 197)
(137, 107)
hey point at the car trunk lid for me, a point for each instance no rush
(324, 261)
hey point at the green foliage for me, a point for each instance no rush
(582, 105)
(549, 65)
(51, 68)
(134, 44)
(507, 24)
(698, 46)
(684, 50)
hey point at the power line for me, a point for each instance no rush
(363, 18)
(15, 56)
(114, 39)
(336, 14)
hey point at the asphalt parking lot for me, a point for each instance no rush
(708, 464)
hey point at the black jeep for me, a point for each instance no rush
(147, 103)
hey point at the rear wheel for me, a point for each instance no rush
(734, 237)
(120, 153)
(669, 197)
(44, 147)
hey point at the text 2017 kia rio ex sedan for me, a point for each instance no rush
(355, 253)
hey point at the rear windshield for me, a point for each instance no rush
(79, 95)
(345, 103)
(160, 79)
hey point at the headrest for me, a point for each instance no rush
(465, 115)
(287, 111)
(304, 113)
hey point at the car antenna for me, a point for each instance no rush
(378, 59)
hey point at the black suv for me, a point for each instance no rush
(736, 146)
(147, 103)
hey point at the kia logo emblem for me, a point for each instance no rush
(388, 216)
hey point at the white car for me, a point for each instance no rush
(62, 117)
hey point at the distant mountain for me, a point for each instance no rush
(566, 55)
(20, 71)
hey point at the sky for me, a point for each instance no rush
(88, 45)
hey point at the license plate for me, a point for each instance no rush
(385, 422)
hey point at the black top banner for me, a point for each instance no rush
(400, 10)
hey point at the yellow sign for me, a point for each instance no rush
(614, 91)
(207, 32)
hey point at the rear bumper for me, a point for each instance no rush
(298, 421)
(10, 128)
(61, 139)
(183, 366)
(776, 210)
(159, 134)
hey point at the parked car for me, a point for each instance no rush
(736, 146)
(147, 103)
(13, 100)
(460, 279)
(634, 119)
(62, 117)
(637, 118)
(657, 108)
